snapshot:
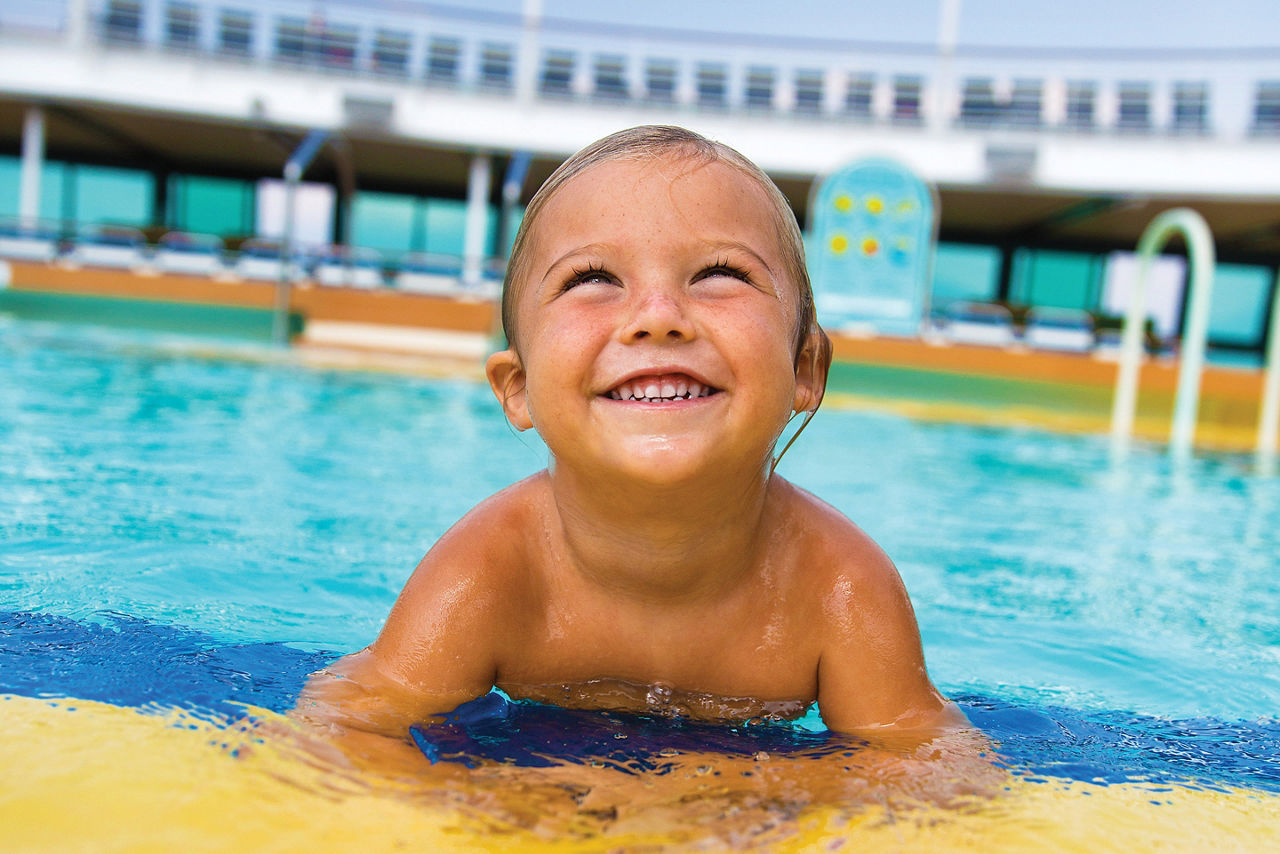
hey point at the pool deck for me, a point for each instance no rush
(433, 334)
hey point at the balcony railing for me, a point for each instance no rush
(1207, 92)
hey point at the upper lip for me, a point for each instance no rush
(658, 371)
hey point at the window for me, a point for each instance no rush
(712, 91)
(1238, 310)
(1135, 107)
(182, 26)
(660, 80)
(338, 45)
(442, 60)
(123, 21)
(1266, 109)
(978, 107)
(611, 81)
(808, 91)
(557, 74)
(391, 52)
(964, 273)
(112, 196)
(1080, 100)
(759, 89)
(385, 221)
(221, 206)
(858, 96)
(1024, 104)
(1190, 108)
(495, 66)
(1047, 278)
(906, 99)
(235, 32)
(291, 39)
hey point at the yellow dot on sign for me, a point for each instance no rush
(906, 206)
(843, 203)
(839, 244)
(870, 246)
(904, 243)
(875, 205)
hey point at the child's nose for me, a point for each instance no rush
(661, 315)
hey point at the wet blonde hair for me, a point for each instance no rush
(655, 141)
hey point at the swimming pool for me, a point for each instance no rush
(190, 526)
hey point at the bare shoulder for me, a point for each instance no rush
(836, 553)
(454, 607)
(437, 648)
(871, 670)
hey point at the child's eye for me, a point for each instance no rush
(725, 269)
(589, 276)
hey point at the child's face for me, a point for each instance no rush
(657, 325)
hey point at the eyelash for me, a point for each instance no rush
(731, 270)
(579, 275)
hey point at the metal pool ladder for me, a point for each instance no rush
(1201, 256)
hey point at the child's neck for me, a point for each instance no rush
(671, 543)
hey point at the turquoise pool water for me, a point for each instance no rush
(190, 523)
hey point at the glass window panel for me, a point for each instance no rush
(808, 91)
(235, 31)
(383, 221)
(660, 80)
(446, 222)
(1055, 279)
(115, 196)
(221, 206)
(1238, 310)
(965, 272)
(858, 97)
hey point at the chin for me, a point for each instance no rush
(666, 467)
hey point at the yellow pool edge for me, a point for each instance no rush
(82, 776)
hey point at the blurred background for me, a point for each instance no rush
(143, 144)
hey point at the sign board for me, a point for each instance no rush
(871, 250)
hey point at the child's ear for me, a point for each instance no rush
(507, 379)
(812, 365)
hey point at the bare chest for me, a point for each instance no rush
(735, 663)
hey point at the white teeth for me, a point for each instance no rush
(653, 391)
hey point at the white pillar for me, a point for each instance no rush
(473, 248)
(527, 61)
(77, 23)
(938, 107)
(32, 163)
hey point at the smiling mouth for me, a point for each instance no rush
(661, 388)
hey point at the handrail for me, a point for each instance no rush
(1201, 255)
(1269, 415)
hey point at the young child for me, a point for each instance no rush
(661, 335)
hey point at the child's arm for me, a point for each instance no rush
(871, 677)
(436, 650)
